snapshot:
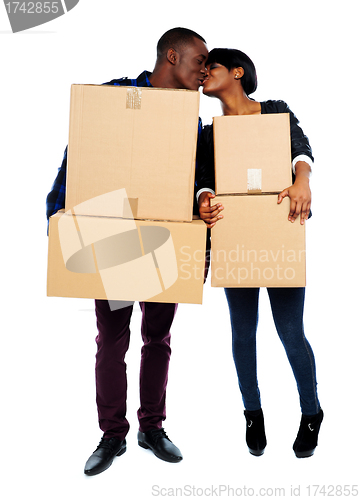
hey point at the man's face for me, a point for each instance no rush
(189, 71)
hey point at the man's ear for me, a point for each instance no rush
(238, 73)
(172, 56)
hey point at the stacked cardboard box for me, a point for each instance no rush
(127, 231)
(255, 245)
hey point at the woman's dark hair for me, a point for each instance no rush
(232, 58)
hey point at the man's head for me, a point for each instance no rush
(181, 57)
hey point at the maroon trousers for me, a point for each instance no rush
(110, 368)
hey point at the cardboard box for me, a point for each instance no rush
(252, 154)
(140, 139)
(124, 259)
(255, 245)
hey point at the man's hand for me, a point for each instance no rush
(299, 194)
(210, 215)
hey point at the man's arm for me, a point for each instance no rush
(55, 200)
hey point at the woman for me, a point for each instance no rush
(231, 77)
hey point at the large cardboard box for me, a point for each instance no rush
(125, 259)
(252, 154)
(255, 245)
(140, 139)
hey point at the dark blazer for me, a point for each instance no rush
(205, 175)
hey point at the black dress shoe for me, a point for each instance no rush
(104, 455)
(307, 437)
(160, 444)
(255, 432)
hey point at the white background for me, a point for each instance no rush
(306, 53)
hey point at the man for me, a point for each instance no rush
(180, 64)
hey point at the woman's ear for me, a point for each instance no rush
(238, 73)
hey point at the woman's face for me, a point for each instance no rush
(218, 79)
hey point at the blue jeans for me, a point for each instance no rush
(287, 305)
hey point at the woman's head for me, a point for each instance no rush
(238, 65)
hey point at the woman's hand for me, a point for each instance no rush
(299, 194)
(210, 215)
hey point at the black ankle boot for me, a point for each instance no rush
(255, 432)
(307, 437)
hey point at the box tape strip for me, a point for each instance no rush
(133, 98)
(254, 180)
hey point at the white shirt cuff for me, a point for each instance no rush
(201, 191)
(304, 158)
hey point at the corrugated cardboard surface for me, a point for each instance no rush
(244, 144)
(140, 139)
(255, 245)
(124, 259)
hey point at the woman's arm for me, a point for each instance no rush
(205, 174)
(301, 153)
(299, 193)
(205, 178)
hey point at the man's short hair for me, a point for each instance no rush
(176, 38)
